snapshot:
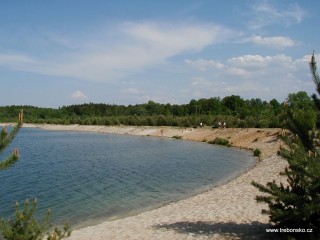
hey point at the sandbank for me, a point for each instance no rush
(229, 211)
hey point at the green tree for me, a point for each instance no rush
(302, 109)
(296, 205)
(233, 102)
(193, 107)
(300, 100)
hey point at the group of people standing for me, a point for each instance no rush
(222, 125)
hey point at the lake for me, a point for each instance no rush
(86, 178)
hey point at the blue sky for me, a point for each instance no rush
(55, 53)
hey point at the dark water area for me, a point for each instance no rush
(86, 178)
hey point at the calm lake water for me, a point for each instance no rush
(85, 178)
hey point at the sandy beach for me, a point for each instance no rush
(228, 211)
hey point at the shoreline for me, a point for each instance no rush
(226, 211)
(266, 139)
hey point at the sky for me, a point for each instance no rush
(58, 53)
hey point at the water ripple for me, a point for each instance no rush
(86, 176)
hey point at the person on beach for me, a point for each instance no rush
(219, 124)
(224, 124)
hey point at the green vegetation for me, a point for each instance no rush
(5, 139)
(26, 226)
(296, 204)
(234, 110)
(257, 152)
(177, 137)
(220, 141)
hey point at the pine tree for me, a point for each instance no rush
(316, 80)
(25, 226)
(296, 204)
(5, 139)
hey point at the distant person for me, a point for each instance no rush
(219, 124)
(161, 132)
(201, 124)
(224, 124)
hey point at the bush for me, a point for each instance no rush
(257, 152)
(220, 141)
(177, 137)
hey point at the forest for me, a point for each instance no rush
(234, 110)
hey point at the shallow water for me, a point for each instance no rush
(86, 178)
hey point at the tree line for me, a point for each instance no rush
(233, 109)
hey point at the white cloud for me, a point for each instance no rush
(79, 95)
(121, 51)
(132, 90)
(17, 61)
(247, 64)
(7, 59)
(252, 76)
(215, 66)
(258, 62)
(265, 13)
(200, 81)
(275, 42)
(204, 65)
(167, 39)
(237, 71)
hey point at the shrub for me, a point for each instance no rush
(177, 137)
(220, 141)
(257, 152)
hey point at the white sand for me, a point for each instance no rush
(225, 212)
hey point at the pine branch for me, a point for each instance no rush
(262, 188)
(315, 75)
(316, 101)
(5, 139)
(301, 130)
(10, 161)
(9, 136)
(25, 226)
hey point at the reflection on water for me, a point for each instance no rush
(92, 177)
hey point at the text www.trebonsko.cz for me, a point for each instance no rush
(288, 230)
